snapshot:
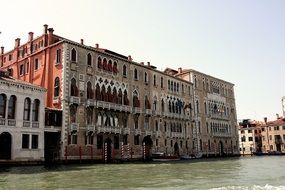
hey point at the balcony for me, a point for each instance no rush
(74, 100)
(11, 122)
(2, 121)
(148, 111)
(177, 135)
(148, 132)
(35, 124)
(221, 134)
(90, 103)
(74, 127)
(136, 110)
(167, 133)
(137, 132)
(155, 113)
(158, 133)
(108, 129)
(126, 131)
(26, 124)
(89, 70)
(90, 129)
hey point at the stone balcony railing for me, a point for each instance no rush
(11, 122)
(136, 110)
(217, 134)
(108, 129)
(2, 121)
(137, 132)
(26, 124)
(148, 111)
(35, 124)
(113, 106)
(74, 127)
(167, 133)
(177, 135)
(74, 100)
(148, 132)
(158, 133)
(90, 102)
(126, 131)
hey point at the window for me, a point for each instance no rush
(10, 57)
(249, 131)
(89, 59)
(99, 63)
(35, 141)
(27, 68)
(161, 82)
(89, 139)
(73, 88)
(145, 78)
(73, 55)
(36, 64)
(25, 141)
(27, 109)
(2, 105)
(56, 87)
(116, 142)
(136, 74)
(36, 109)
(154, 80)
(11, 107)
(58, 56)
(22, 69)
(124, 70)
(197, 106)
(99, 142)
(249, 138)
(137, 139)
(243, 139)
(89, 90)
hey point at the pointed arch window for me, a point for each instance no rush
(161, 82)
(109, 94)
(73, 55)
(89, 59)
(154, 80)
(115, 96)
(136, 74)
(105, 64)
(145, 78)
(136, 102)
(103, 94)
(72, 115)
(12, 107)
(27, 109)
(115, 69)
(110, 66)
(126, 100)
(97, 92)
(99, 63)
(124, 70)
(73, 88)
(89, 90)
(36, 110)
(162, 105)
(3, 101)
(56, 87)
(89, 112)
(120, 96)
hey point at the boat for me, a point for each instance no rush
(185, 157)
(161, 157)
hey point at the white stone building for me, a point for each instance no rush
(21, 120)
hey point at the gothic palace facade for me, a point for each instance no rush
(103, 105)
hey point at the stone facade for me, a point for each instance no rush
(21, 120)
(112, 107)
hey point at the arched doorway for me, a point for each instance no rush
(5, 146)
(148, 144)
(176, 149)
(108, 149)
(221, 148)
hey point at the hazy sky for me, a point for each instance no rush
(239, 41)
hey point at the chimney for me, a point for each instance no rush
(142, 63)
(148, 64)
(50, 36)
(96, 46)
(45, 28)
(179, 70)
(31, 36)
(2, 50)
(81, 41)
(130, 58)
(17, 42)
(277, 115)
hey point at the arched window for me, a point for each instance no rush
(89, 90)
(36, 110)
(73, 88)
(136, 102)
(3, 100)
(136, 74)
(115, 69)
(161, 82)
(99, 63)
(124, 70)
(73, 55)
(105, 64)
(12, 107)
(109, 94)
(56, 87)
(171, 86)
(72, 115)
(115, 96)
(168, 84)
(89, 59)
(154, 80)
(162, 105)
(103, 94)
(27, 109)
(110, 66)
(145, 77)
(89, 113)
(197, 106)
(120, 97)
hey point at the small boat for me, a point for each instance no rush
(161, 157)
(185, 157)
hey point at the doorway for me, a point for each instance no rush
(5, 146)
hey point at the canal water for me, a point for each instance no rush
(249, 173)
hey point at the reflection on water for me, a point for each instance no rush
(235, 174)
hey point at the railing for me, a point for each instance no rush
(148, 132)
(136, 110)
(219, 116)
(74, 127)
(110, 105)
(158, 133)
(177, 135)
(74, 100)
(138, 132)
(148, 111)
(2, 121)
(11, 122)
(221, 134)
(35, 124)
(90, 128)
(126, 131)
(90, 102)
(108, 129)
(167, 133)
(26, 124)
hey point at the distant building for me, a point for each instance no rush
(21, 120)
(283, 105)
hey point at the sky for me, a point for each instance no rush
(238, 41)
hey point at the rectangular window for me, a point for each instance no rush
(10, 57)
(25, 141)
(136, 139)
(249, 138)
(35, 141)
(249, 131)
(58, 56)
(262, 129)
(243, 139)
(27, 68)
(36, 64)
(99, 142)
(22, 69)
